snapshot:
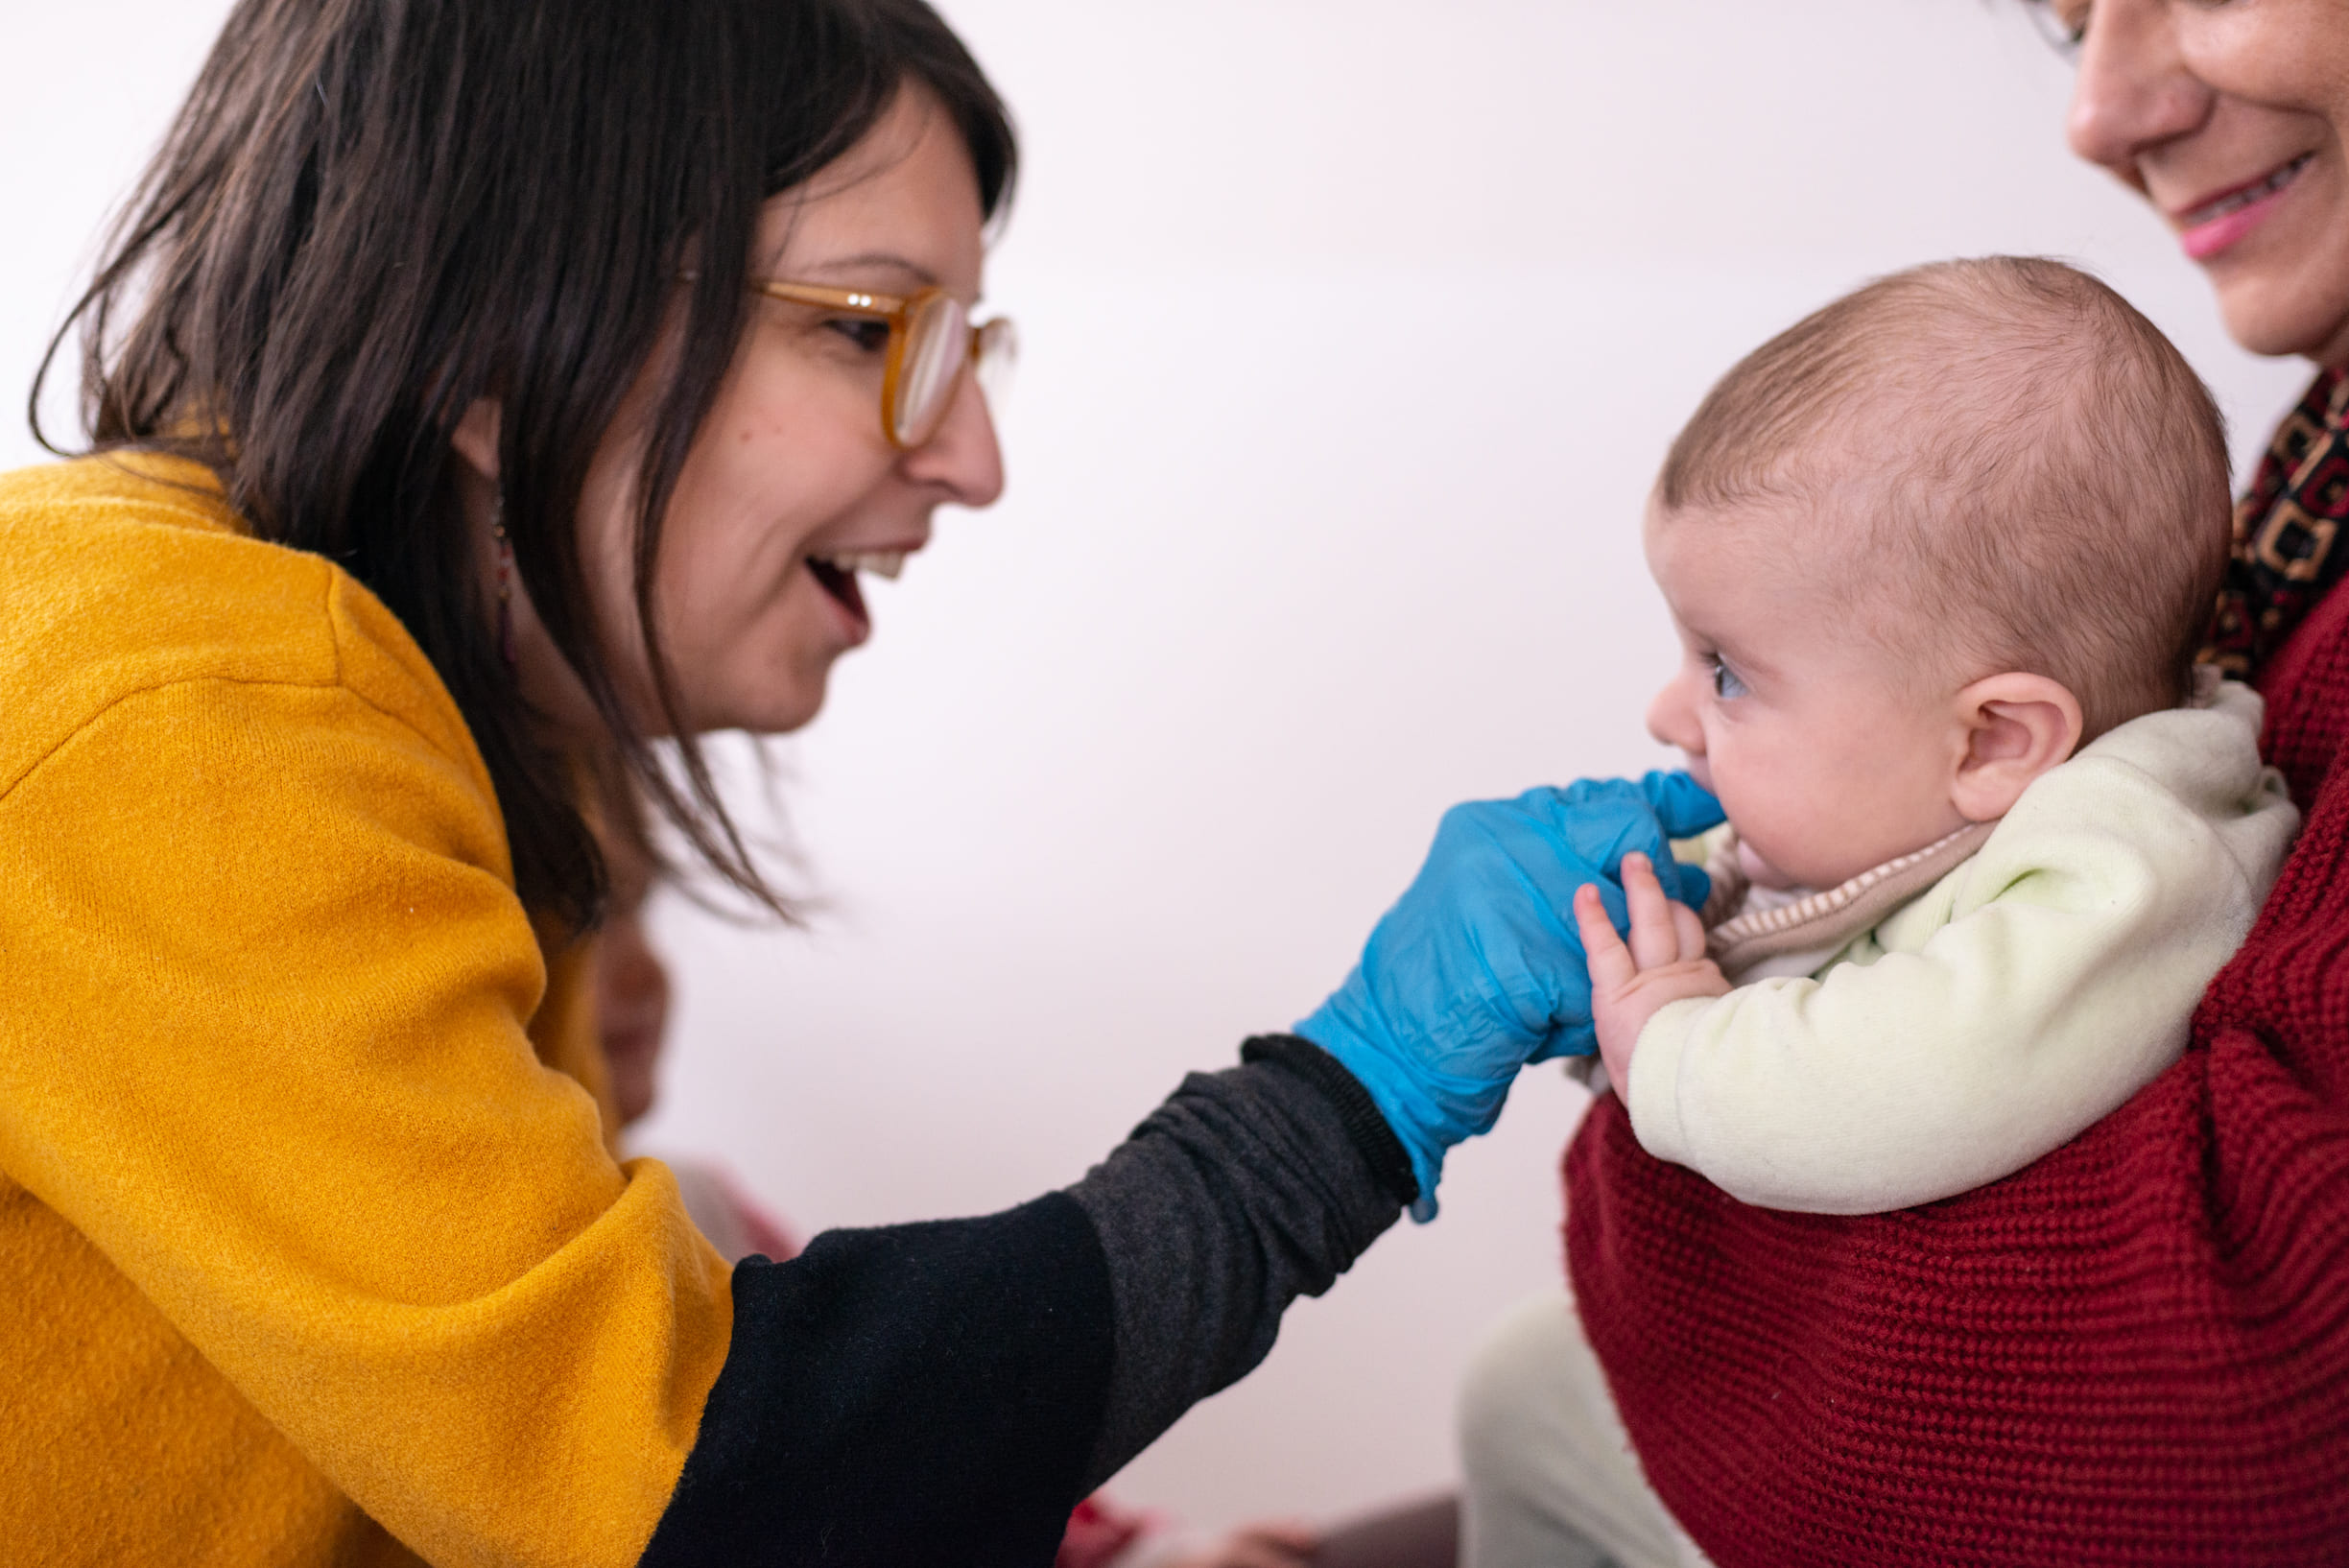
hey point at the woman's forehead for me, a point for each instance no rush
(898, 209)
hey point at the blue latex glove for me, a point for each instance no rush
(1478, 970)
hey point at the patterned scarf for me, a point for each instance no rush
(2287, 527)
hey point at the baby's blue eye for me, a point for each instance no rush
(1726, 683)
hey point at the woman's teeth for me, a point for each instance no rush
(880, 563)
(2249, 194)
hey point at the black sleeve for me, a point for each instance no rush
(942, 1394)
(903, 1397)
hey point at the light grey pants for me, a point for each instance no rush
(1550, 1481)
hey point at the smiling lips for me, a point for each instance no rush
(837, 574)
(2214, 224)
(880, 563)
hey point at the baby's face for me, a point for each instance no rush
(1827, 760)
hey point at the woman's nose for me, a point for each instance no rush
(2134, 90)
(965, 455)
(1671, 718)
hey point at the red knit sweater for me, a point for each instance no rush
(2135, 1351)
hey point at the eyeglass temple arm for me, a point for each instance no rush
(815, 293)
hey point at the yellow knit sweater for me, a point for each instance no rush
(311, 1247)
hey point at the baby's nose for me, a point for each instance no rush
(1672, 719)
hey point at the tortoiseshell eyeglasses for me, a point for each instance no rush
(932, 339)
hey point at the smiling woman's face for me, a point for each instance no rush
(792, 486)
(2229, 116)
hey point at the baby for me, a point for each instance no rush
(1939, 558)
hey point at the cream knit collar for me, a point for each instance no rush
(1754, 934)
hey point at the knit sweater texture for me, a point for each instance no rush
(2134, 1352)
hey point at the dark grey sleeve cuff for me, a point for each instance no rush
(1244, 1189)
(1364, 1123)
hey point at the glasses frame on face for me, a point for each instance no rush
(991, 342)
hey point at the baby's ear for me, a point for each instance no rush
(2017, 726)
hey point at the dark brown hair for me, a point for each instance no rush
(2010, 450)
(371, 213)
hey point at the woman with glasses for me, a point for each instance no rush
(475, 390)
(2135, 1351)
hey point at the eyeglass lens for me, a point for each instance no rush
(938, 343)
(936, 339)
(998, 358)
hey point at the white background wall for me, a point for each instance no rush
(1355, 330)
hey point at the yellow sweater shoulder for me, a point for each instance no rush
(124, 572)
(295, 1221)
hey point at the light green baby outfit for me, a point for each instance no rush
(1945, 1020)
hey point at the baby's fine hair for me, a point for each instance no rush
(2007, 451)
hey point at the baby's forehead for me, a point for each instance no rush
(1942, 413)
(1819, 515)
(1763, 550)
(1810, 567)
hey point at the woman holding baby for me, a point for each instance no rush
(2132, 1350)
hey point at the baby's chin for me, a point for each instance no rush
(1761, 873)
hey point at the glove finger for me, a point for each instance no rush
(1556, 840)
(1681, 804)
(1598, 820)
(1584, 792)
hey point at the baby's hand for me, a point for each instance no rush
(1665, 962)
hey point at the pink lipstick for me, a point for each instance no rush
(2218, 221)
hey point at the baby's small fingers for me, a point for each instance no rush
(1691, 932)
(1654, 943)
(1608, 959)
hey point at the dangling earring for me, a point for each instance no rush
(504, 580)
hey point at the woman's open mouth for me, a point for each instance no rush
(837, 576)
(2215, 225)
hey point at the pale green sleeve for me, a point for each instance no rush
(2014, 1004)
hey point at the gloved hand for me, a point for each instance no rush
(1478, 969)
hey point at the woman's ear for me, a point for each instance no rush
(2017, 726)
(475, 439)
